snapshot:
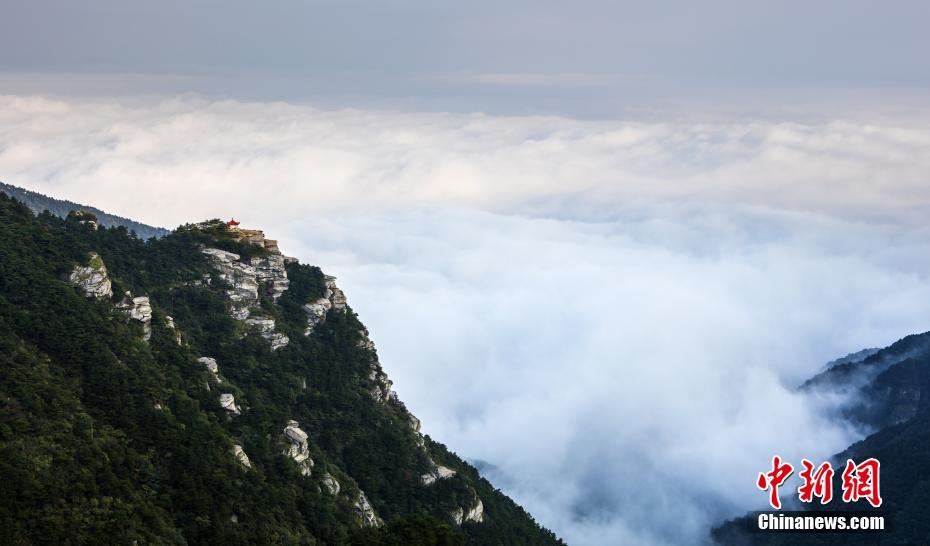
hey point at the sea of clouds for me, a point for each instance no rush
(611, 316)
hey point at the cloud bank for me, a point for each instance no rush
(611, 314)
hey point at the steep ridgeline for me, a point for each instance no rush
(39, 203)
(888, 393)
(203, 388)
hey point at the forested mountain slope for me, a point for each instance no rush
(889, 393)
(202, 388)
(39, 203)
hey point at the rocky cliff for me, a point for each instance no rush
(202, 387)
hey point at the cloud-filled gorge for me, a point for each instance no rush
(612, 314)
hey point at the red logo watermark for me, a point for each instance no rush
(860, 481)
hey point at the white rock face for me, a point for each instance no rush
(366, 343)
(177, 334)
(138, 309)
(331, 484)
(316, 313)
(240, 456)
(365, 511)
(333, 298)
(476, 513)
(381, 390)
(242, 278)
(228, 402)
(270, 269)
(245, 280)
(211, 365)
(266, 330)
(298, 447)
(457, 515)
(92, 278)
(334, 294)
(439, 472)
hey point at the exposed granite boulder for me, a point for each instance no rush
(438, 472)
(365, 512)
(381, 388)
(411, 418)
(228, 403)
(266, 330)
(334, 294)
(246, 276)
(211, 365)
(138, 309)
(316, 313)
(270, 269)
(242, 279)
(333, 298)
(240, 456)
(298, 447)
(331, 484)
(169, 322)
(85, 217)
(92, 278)
(365, 342)
(475, 514)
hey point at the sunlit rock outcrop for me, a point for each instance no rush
(334, 294)
(439, 472)
(169, 322)
(333, 298)
(330, 484)
(92, 278)
(474, 513)
(84, 217)
(316, 313)
(411, 418)
(365, 512)
(240, 456)
(247, 278)
(298, 447)
(270, 270)
(266, 330)
(228, 403)
(211, 365)
(138, 309)
(242, 279)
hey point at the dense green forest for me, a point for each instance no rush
(109, 438)
(40, 203)
(889, 393)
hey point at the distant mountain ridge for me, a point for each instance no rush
(38, 203)
(888, 393)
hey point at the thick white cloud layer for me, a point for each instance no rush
(612, 314)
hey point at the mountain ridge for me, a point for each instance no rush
(38, 203)
(202, 388)
(888, 393)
